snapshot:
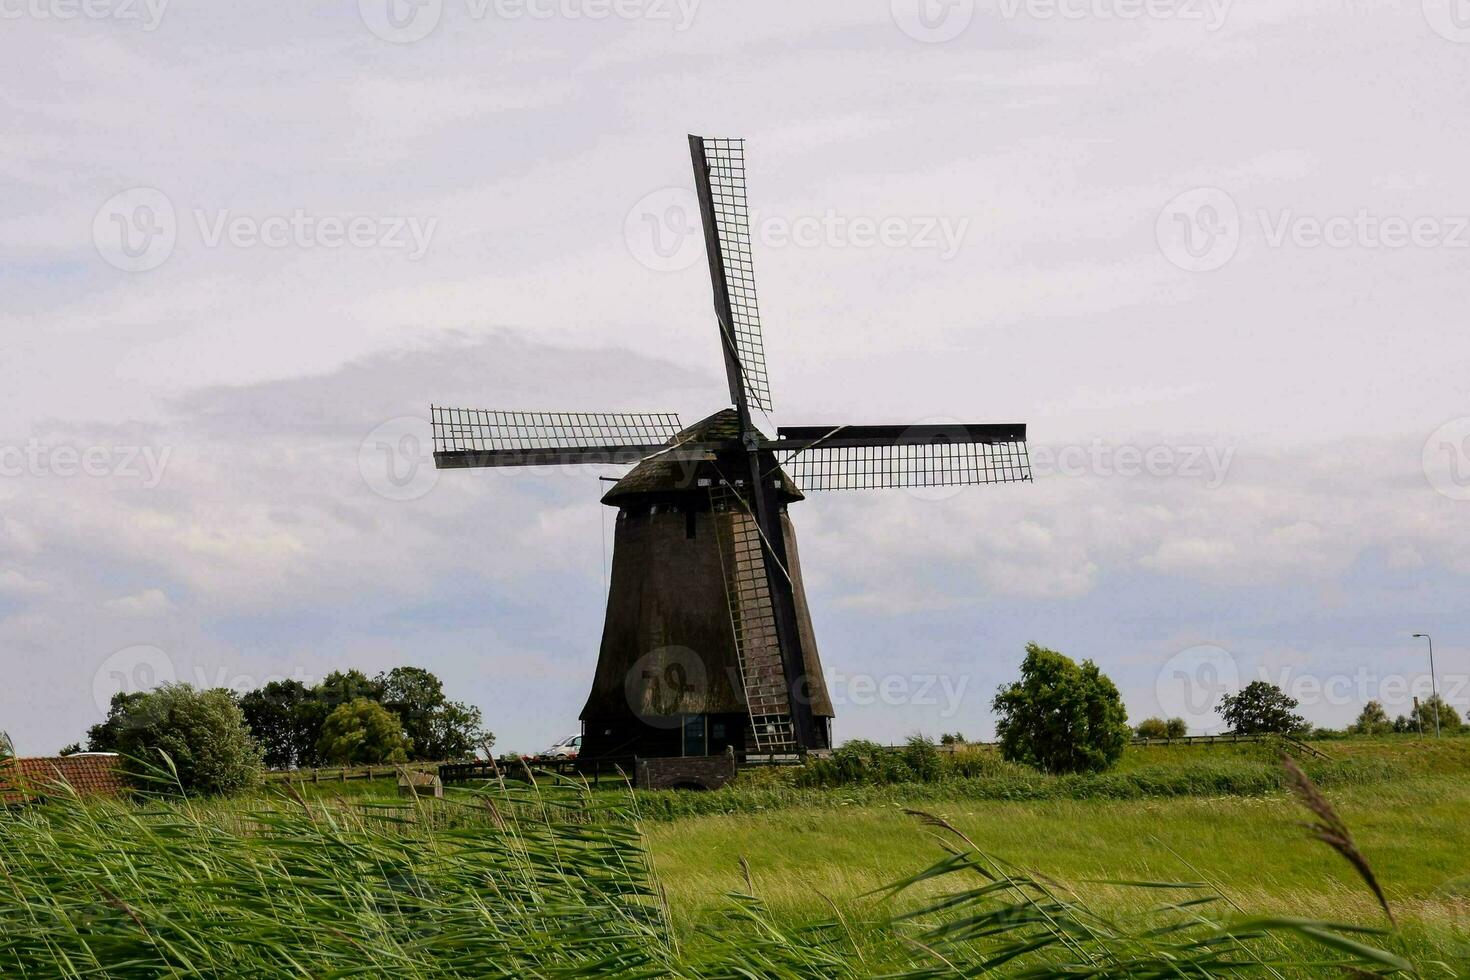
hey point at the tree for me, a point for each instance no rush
(1061, 716)
(286, 718)
(416, 696)
(70, 749)
(202, 733)
(363, 732)
(952, 738)
(1423, 716)
(1372, 720)
(1261, 708)
(454, 733)
(106, 734)
(345, 686)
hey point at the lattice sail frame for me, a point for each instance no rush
(937, 464)
(726, 161)
(478, 430)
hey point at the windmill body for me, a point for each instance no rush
(708, 644)
(689, 644)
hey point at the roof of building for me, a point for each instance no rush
(663, 474)
(88, 773)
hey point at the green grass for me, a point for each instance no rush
(1215, 814)
(346, 879)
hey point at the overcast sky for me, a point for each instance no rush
(1213, 253)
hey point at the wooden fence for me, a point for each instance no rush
(342, 774)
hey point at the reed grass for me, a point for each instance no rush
(550, 880)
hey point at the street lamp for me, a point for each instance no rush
(1433, 687)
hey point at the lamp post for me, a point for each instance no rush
(1433, 686)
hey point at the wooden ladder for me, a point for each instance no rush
(753, 623)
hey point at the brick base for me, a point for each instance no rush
(690, 772)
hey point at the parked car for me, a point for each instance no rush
(567, 748)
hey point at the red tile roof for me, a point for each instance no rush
(89, 774)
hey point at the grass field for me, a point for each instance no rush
(1413, 825)
(337, 879)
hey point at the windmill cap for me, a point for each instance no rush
(663, 475)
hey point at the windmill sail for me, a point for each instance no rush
(719, 179)
(870, 457)
(465, 437)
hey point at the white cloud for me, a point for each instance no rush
(149, 602)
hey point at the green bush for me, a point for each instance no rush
(200, 736)
(1061, 716)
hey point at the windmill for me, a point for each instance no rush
(708, 642)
